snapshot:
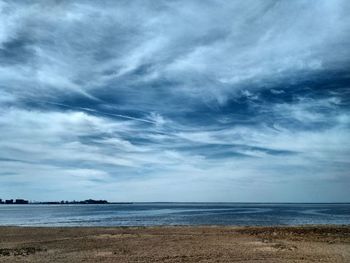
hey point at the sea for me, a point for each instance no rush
(171, 214)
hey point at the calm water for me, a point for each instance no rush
(146, 214)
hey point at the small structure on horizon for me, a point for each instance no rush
(21, 202)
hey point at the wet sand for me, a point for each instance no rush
(176, 244)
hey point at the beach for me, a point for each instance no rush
(175, 244)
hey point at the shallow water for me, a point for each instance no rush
(148, 214)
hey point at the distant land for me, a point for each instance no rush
(74, 202)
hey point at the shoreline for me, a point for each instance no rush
(307, 243)
(306, 226)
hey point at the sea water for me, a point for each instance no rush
(153, 214)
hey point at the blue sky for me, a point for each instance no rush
(175, 100)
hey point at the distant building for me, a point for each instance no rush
(1, 202)
(21, 202)
(9, 202)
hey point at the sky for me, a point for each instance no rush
(207, 101)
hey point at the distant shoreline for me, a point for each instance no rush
(77, 203)
(129, 203)
(63, 202)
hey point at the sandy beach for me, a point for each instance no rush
(176, 244)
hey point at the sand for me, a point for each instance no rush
(176, 244)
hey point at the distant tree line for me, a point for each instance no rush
(16, 202)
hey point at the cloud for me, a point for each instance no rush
(248, 41)
(175, 97)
